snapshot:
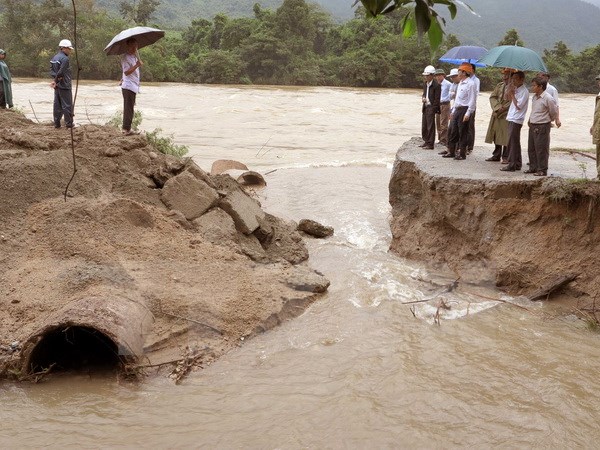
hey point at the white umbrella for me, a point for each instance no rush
(143, 35)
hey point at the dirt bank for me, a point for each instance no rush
(514, 229)
(149, 255)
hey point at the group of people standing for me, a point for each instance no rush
(454, 103)
(60, 71)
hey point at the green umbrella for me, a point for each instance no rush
(514, 57)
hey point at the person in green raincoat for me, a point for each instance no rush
(595, 130)
(5, 86)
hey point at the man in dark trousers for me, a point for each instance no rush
(464, 106)
(431, 107)
(544, 111)
(60, 71)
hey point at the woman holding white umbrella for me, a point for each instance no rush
(130, 83)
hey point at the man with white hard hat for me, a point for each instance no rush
(60, 71)
(431, 107)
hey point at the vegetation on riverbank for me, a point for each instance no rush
(297, 44)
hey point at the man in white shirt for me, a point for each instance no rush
(460, 114)
(551, 90)
(595, 129)
(477, 82)
(519, 101)
(130, 83)
(543, 112)
(444, 116)
(453, 76)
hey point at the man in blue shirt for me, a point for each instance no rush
(60, 71)
(443, 117)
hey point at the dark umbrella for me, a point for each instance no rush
(464, 53)
(143, 35)
(514, 57)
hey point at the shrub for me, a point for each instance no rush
(165, 144)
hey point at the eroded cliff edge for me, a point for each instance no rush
(514, 229)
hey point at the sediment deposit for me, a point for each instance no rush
(146, 255)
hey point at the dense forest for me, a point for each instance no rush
(179, 13)
(537, 20)
(296, 44)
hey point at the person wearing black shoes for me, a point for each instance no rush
(60, 71)
(431, 107)
(477, 83)
(497, 132)
(544, 111)
(519, 101)
(464, 106)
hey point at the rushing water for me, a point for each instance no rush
(358, 369)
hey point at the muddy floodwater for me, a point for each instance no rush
(358, 369)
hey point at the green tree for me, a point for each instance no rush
(139, 12)
(559, 61)
(585, 66)
(512, 38)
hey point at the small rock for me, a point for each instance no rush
(314, 228)
(305, 279)
(111, 152)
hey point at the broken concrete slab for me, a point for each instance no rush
(189, 195)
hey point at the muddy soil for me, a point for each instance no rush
(513, 229)
(196, 285)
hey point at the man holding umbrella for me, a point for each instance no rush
(130, 82)
(127, 43)
(60, 71)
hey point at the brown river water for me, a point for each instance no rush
(358, 369)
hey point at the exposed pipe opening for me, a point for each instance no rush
(74, 348)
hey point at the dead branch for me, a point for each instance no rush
(191, 359)
(546, 290)
(447, 288)
(34, 114)
(36, 377)
(590, 215)
(582, 154)
(189, 320)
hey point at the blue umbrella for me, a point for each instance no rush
(464, 53)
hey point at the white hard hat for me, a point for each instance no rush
(429, 70)
(65, 43)
(453, 72)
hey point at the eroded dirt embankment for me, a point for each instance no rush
(149, 255)
(515, 229)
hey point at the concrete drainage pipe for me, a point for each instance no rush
(92, 333)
